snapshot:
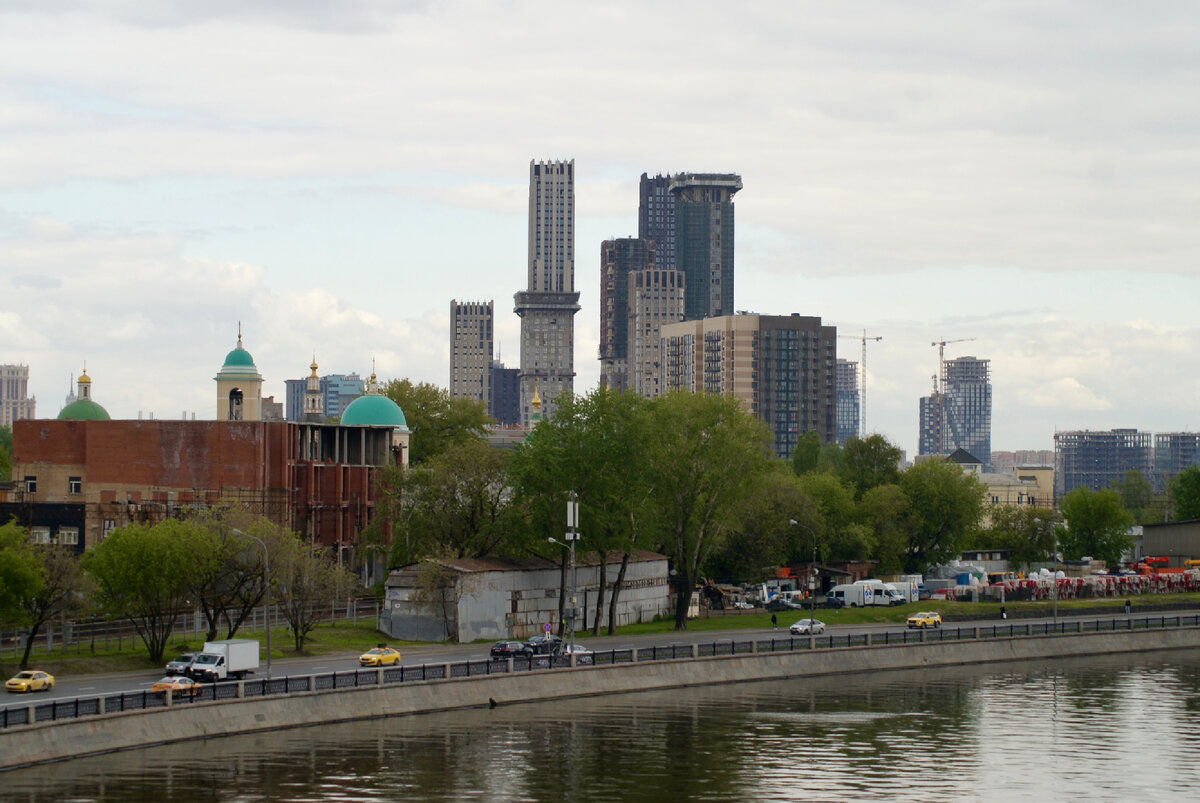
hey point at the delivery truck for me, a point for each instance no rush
(219, 660)
(862, 594)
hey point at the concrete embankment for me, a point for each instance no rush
(23, 745)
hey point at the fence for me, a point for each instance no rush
(232, 690)
(61, 638)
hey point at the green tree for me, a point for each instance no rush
(762, 538)
(1026, 532)
(436, 419)
(884, 510)
(306, 582)
(944, 509)
(869, 462)
(832, 514)
(5, 453)
(22, 574)
(807, 454)
(144, 573)
(455, 503)
(1185, 488)
(706, 453)
(62, 594)
(1137, 495)
(1097, 525)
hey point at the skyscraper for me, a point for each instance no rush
(655, 300)
(847, 400)
(548, 305)
(703, 241)
(967, 388)
(471, 330)
(656, 218)
(14, 405)
(618, 259)
(780, 366)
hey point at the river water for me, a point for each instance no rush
(1109, 728)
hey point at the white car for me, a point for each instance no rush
(582, 654)
(806, 627)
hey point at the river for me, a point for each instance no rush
(1109, 728)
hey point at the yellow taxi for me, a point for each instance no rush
(925, 619)
(30, 680)
(380, 656)
(178, 685)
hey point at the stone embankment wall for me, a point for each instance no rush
(52, 741)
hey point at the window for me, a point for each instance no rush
(68, 536)
(75, 485)
(39, 535)
(30, 485)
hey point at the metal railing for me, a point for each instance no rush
(16, 715)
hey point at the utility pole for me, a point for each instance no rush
(862, 382)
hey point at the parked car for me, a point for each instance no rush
(178, 686)
(925, 619)
(542, 644)
(508, 649)
(806, 627)
(582, 654)
(180, 665)
(380, 656)
(30, 680)
(781, 604)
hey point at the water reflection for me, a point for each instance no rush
(1064, 728)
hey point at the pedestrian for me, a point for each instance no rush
(1127, 606)
(1003, 612)
(774, 621)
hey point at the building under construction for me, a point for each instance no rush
(1097, 459)
(958, 414)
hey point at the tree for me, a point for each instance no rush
(61, 594)
(762, 538)
(5, 453)
(1026, 532)
(456, 503)
(884, 510)
(833, 501)
(705, 454)
(1097, 525)
(305, 582)
(869, 462)
(21, 572)
(144, 574)
(1137, 495)
(436, 419)
(945, 506)
(1185, 488)
(807, 454)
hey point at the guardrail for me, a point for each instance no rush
(17, 715)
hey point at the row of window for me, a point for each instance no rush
(66, 536)
(74, 484)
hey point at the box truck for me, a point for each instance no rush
(225, 659)
(862, 594)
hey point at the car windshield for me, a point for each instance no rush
(184, 659)
(25, 675)
(375, 651)
(206, 659)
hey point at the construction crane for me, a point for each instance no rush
(862, 391)
(939, 387)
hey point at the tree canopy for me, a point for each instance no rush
(436, 419)
(5, 453)
(1185, 488)
(945, 506)
(1097, 525)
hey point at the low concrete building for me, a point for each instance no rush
(1177, 540)
(467, 599)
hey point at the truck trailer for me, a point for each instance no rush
(225, 659)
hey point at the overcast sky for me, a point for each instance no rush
(332, 174)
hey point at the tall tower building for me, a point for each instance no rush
(656, 218)
(618, 259)
(967, 392)
(314, 403)
(780, 366)
(239, 386)
(471, 327)
(848, 402)
(704, 241)
(14, 385)
(548, 305)
(655, 300)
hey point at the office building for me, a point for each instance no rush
(782, 367)
(15, 404)
(848, 403)
(618, 260)
(1098, 459)
(960, 415)
(335, 392)
(656, 218)
(656, 298)
(471, 327)
(504, 387)
(703, 241)
(548, 305)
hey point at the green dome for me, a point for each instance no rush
(84, 410)
(374, 411)
(239, 357)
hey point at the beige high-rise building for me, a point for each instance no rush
(15, 405)
(782, 367)
(656, 298)
(471, 327)
(548, 305)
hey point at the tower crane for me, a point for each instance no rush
(862, 391)
(940, 390)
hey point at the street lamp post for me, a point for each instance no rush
(266, 591)
(812, 576)
(571, 536)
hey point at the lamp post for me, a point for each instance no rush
(266, 591)
(572, 536)
(812, 576)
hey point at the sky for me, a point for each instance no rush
(1023, 177)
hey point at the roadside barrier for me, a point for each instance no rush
(231, 691)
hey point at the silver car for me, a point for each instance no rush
(807, 627)
(179, 665)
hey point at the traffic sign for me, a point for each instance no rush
(546, 628)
